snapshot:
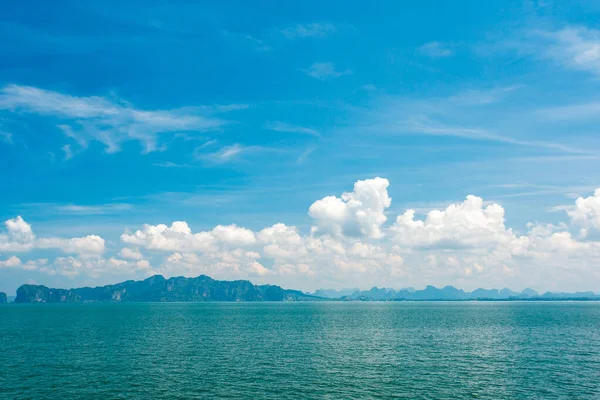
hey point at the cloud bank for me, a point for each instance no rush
(350, 242)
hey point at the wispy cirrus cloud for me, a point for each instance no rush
(426, 126)
(78, 209)
(304, 155)
(248, 40)
(309, 30)
(94, 209)
(233, 153)
(325, 70)
(226, 154)
(483, 97)
(170, 164)
(107, 120)
(279, 126)
(452, 116)
(436, 50)
(6, 137)
(583, 111)
(68, 152)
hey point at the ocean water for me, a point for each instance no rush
(436, 350)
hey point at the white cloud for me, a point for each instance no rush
(92, 209)
(11, 262)
(247, 40)
(68, 152)
(88, 245)
(574, 47)
(472, 97)
(325, 70)
(351, 243)
(278, 126)
(467, 224)
(37, 264)
(304, 155)
(227, 153)
(282, 242)
(311, 30)
(436, 50)
(19, 229)
(586, 212)
(453, 117)
(95, 267)
(357, 213)
(108, 120)
(67, 266)
(131, 254)
(427, 126)
(177, 237)
(579, 112)
(232, 234)
(219, 264)
(6, 137)
(19, 236)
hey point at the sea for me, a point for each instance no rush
(310, 350)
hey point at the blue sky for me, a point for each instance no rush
(114, 116)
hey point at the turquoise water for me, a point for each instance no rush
(301, 350)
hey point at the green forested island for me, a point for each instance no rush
(159, 289)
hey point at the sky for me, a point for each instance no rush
(307, 144)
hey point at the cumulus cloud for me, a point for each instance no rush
(282, 242)
(131, 254)
(467, 224)
(232, 234)
(350, 243)
(88, 245)
(19, 237)
(586, 212)
(357, 213)
(95, 267)
(177, 237)
(11, 262)
(221, 264)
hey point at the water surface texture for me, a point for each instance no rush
(436, 350)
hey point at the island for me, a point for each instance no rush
(159, 289)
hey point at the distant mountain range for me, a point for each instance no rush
(452, 293)
(203, 288)
(335, 294)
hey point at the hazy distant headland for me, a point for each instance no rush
(203, 288)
